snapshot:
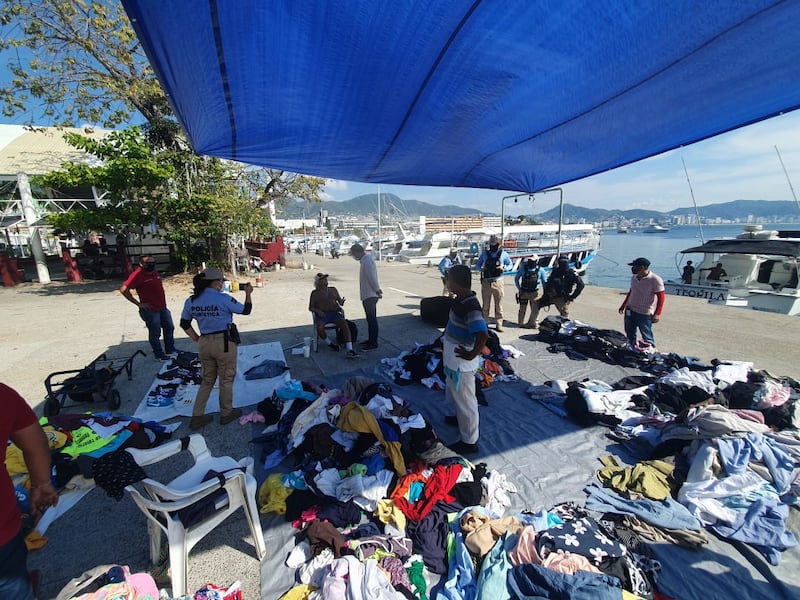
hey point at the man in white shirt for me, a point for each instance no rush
(370, 293)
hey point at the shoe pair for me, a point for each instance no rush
(461, 447)
(199, 422)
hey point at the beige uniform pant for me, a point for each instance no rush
(492, 289)
(526, 298)
(560, 302)
(215, 362)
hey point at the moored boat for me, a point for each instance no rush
(655, 228)
(578, 242)
(759, 271)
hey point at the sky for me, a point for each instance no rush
(738, 165)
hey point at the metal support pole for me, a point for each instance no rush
(560, 214)
(34, 235)
(380, 231)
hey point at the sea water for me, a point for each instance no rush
(610, 267)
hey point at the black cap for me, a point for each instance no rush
(639, 262)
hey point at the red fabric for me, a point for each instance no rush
(149, 288)
(16, 415)
(438, 488)
(660, 297)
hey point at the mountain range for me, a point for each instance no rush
(395, 208)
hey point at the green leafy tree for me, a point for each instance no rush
(196, 198)
(77, 61)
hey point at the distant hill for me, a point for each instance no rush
(736, 209)
(394, 207)
(391, 206)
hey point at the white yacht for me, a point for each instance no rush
(655, 228)
(760, 271)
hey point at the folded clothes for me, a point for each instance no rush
(266, 369)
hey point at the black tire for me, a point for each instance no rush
(51, 407)
(114, 400)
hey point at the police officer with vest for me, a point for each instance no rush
(528, 285)
(562, 287)
(493, 262)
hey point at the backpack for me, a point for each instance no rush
(353, 333)
(530, 280)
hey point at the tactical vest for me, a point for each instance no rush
(492, 268)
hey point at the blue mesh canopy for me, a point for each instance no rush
(514, 95)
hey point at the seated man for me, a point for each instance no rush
(326, 304)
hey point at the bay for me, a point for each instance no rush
(610, 267)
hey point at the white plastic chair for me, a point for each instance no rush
(160, 502)
(330, 329)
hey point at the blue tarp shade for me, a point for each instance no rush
(514, 95)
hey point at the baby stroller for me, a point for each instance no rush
(84, 385)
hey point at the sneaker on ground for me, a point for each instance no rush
(352, 354)
(334, 347)
(368, 346)
(161, 357)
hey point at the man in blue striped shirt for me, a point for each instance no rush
(464, 338)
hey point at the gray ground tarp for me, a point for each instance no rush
(550, 459)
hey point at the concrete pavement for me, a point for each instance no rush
(65, 326)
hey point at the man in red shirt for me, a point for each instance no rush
(152, 305)
(19, 424)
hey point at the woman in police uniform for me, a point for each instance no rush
(217, 342)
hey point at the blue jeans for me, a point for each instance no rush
(156, 321)
(371, 311)
(644, 323)
(14, 582)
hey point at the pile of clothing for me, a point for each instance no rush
(384, 510)
(83, 448)
(580, 341)
(423, 364)
(720, 449)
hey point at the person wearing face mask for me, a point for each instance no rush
(152, 304)
(493, 262)
(217, 342)
(643, 303)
